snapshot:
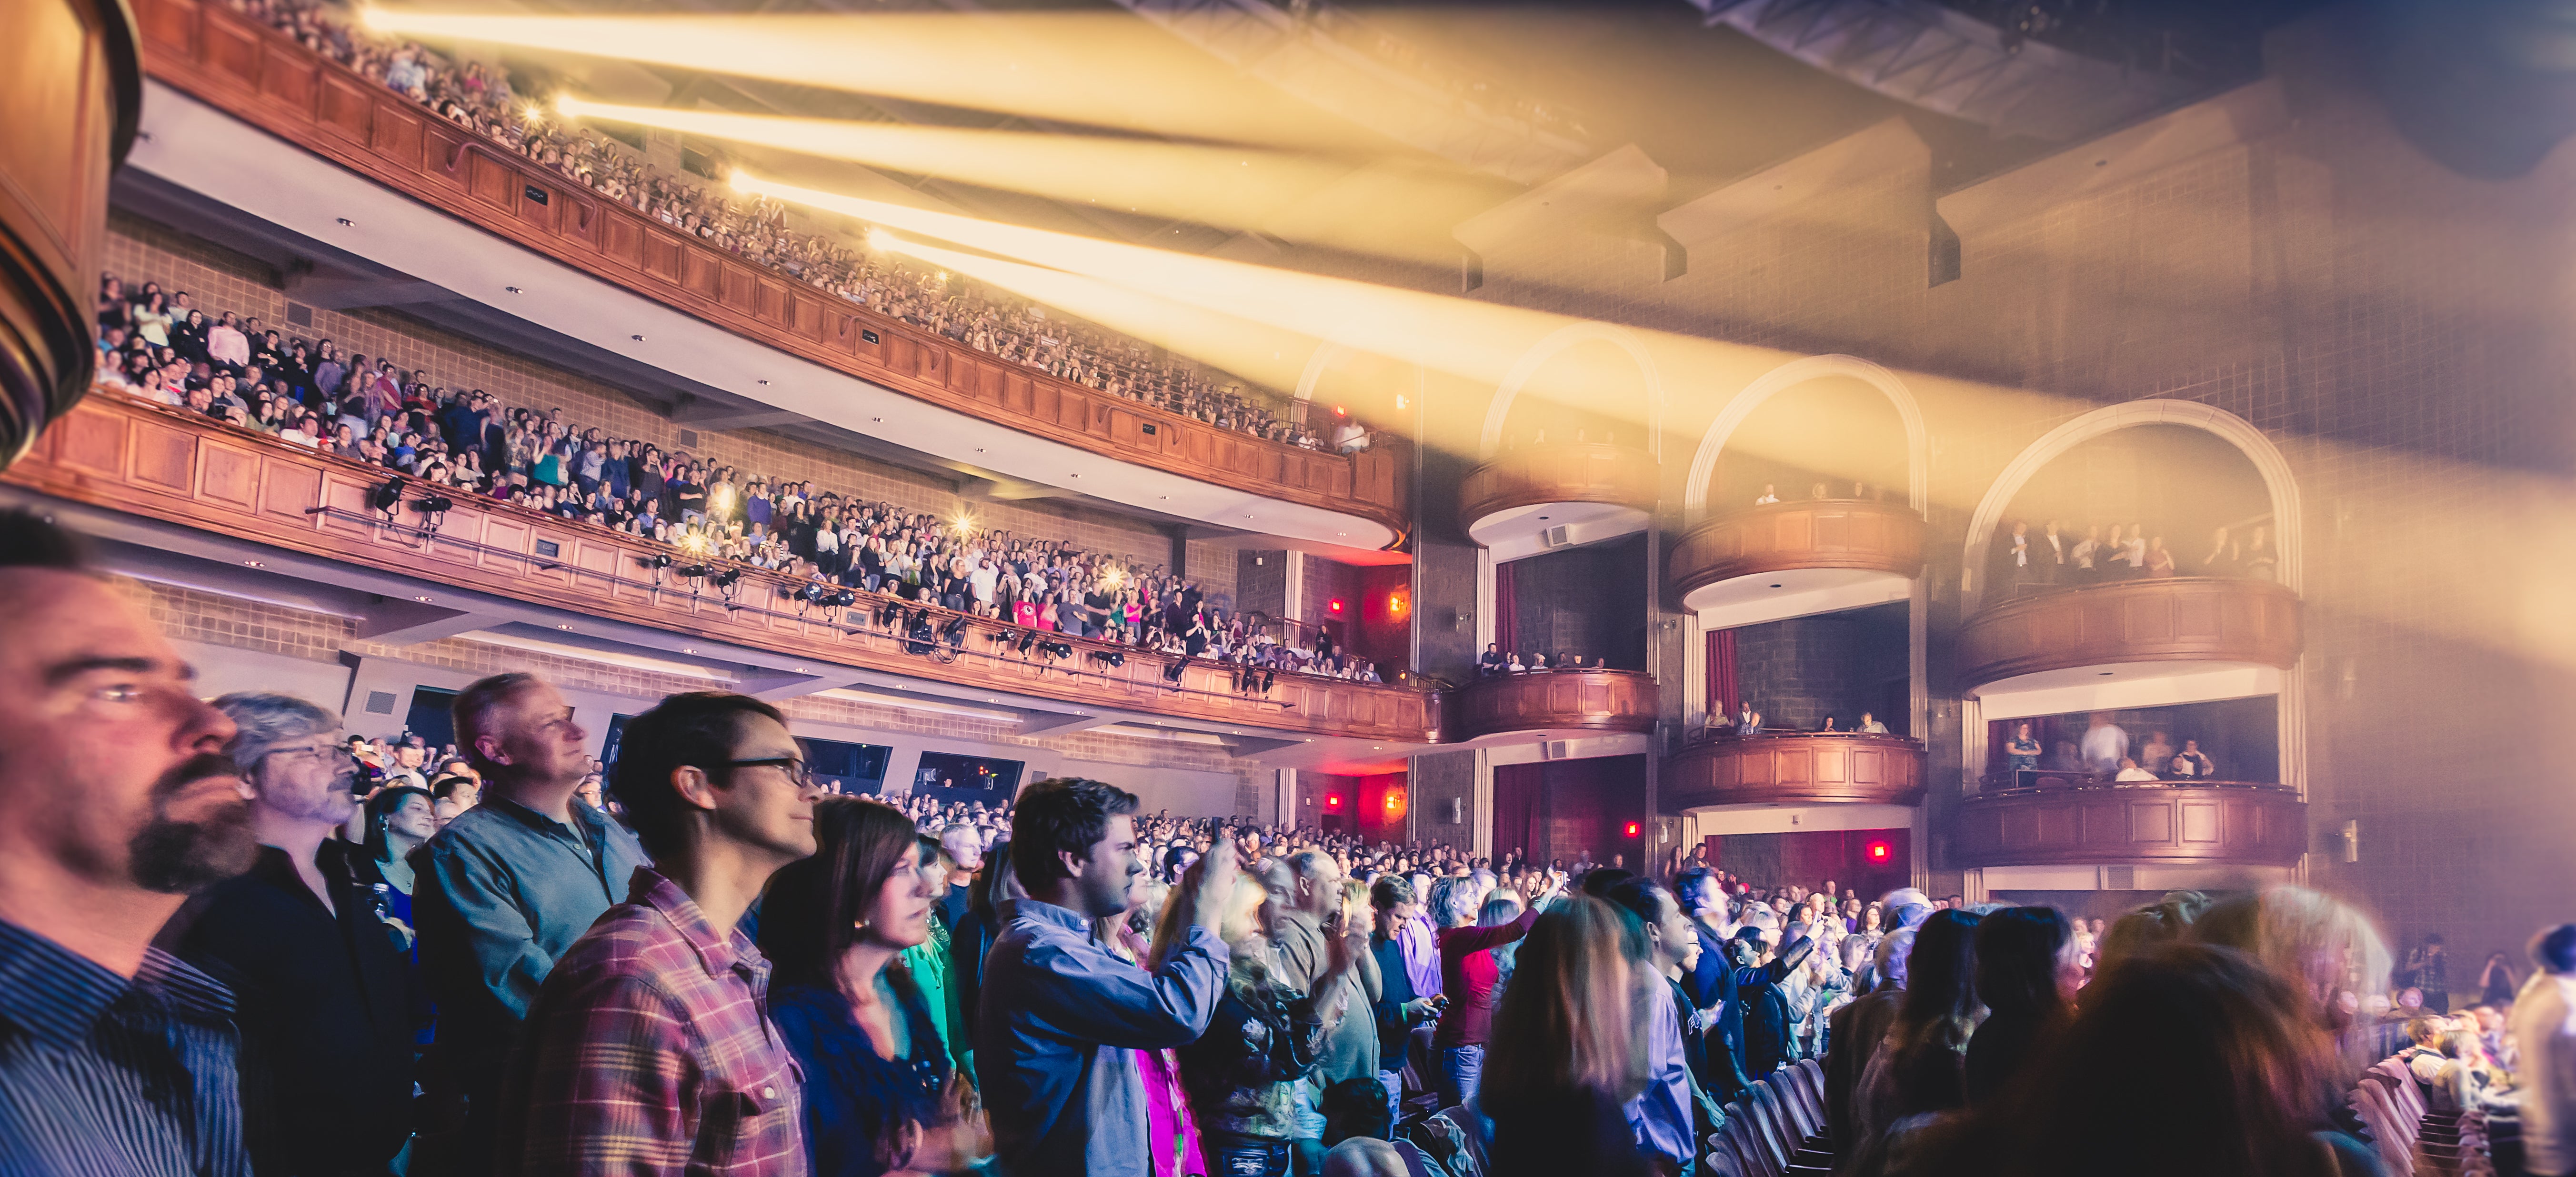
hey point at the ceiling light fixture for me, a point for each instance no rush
(514, 290)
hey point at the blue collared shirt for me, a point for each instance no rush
(102, 1075)
(1059, 1023)
(501, 893)
(1661, 1117)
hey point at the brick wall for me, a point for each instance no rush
(1799, 671)
(1587, 602)
(195, 615)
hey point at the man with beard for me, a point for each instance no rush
(116, 802)
(324, 996)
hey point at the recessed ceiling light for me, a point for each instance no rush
(346, 223)
(255, 563)
(797, 669)
(687, 650)
(1073, 476)
(979, 449)
(636, 338)
(764, 384)
(879, 420)
(514, 290)
(420, 598)
(559, 625)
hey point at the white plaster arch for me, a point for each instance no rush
(1549, 348)
(2237, 431)
(1918, 444)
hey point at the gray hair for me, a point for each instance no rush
(266, 720)
(1453, 902)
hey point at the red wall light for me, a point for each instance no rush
(1634, 829)
(1336, 606)
(1332, 800)
(1396, 604)
(1878, 851)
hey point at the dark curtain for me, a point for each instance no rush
(1507, 611)
(1519, 792)
(1721, 675)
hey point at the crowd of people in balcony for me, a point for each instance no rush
(2105, 754)
(1823, 492)
(992, 321)
(1495, 663)
(159, 346)
(2055, 557)
(716, 967)
(1748, 723)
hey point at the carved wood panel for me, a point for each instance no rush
(2253, 825)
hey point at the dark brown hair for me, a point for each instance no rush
(809, 917)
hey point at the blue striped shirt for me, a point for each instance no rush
(102, 1075)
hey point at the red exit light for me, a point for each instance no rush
(1634, 829)
(1879, 850)
(1332, 800)
(1336, 606)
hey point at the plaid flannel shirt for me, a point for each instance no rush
(649, 1051)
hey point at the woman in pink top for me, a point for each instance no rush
(1469, 976)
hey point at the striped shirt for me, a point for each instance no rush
(647, 1051)
(102, 1075)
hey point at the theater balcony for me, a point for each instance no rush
(2198, 825)
(185, 490)
(1608, 710)
(1796, 559)
(1560, 495)
(2131, 643)
(1799, 768)
(246, 129)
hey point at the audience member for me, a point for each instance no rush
(1059, 1016)
(116, 803)
(1570, 1047)
(505, 889)
(1468, 977)
(2544, 1042)
(649, 1047)
(322, 997)
(2027, 978)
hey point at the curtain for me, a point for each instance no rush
(1507, 613)
(1518, 795)
(1722, 696)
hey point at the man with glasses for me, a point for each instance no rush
(503, 891)
(323, 997)
(648, 1049)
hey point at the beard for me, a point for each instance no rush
(184, 857)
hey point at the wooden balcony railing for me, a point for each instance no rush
(255, 74)
(2246, 825)
(2158, 619)
(1554, 701)
(117, 453)
(1811, 768)
(1570, 473)
(1853, 535)
(72, 89)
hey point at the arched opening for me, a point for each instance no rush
(1613, 408)
(1834, 437)
(2154, 499)
(1698, 497)
(1375, 390)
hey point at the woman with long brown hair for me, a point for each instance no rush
(1568, 1046)
(880, 1093)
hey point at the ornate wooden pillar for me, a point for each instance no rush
(71, 90)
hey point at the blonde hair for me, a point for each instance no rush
(1573, 1016)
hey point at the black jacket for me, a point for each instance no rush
(325, 1011)
(1766, 1010)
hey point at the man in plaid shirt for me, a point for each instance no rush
(648, 1049)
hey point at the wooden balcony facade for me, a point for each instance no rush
(1543, 497)
(116, 453)
(1793, 559)
(73, 88)
(1553, 701)
(2240, 825)
(267, 80)
(1795, 769)
(2158, 620)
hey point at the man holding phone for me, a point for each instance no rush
(1399, 1008)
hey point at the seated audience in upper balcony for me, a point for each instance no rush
(1492, 662)
(1770, 494)
(1869, 725)
(991, 321)
(2129, 771)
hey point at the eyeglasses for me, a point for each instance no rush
(329, 754)
(797, 770)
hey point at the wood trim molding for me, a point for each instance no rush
(255, 74)
(2158, 619)
(2260, 825)
(1570, 701)
(117, 453)
(1576, 472)
(1834, 533)
(1800, 769)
